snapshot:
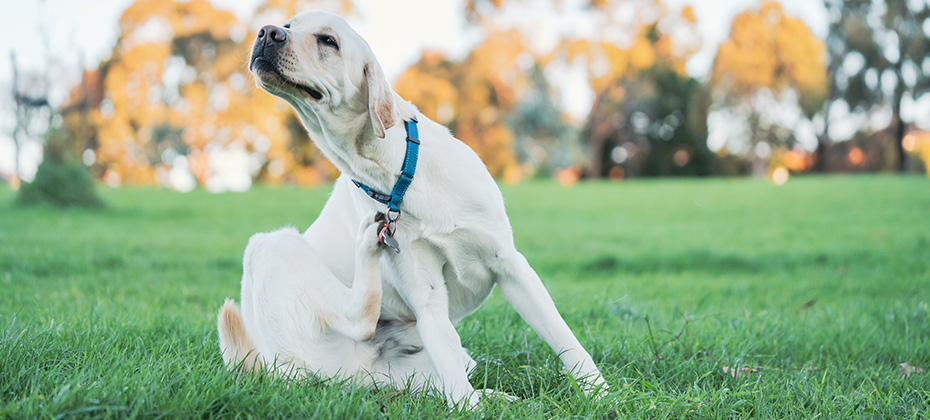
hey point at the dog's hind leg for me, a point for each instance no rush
(525, 291)
(280, 291)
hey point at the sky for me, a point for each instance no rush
(77, 33)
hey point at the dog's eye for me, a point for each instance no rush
(327, 40)
(287, 25)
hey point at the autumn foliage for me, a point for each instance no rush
(472, 97)
(175, 105)
(767, 55)
(767, 49)
(175, 98)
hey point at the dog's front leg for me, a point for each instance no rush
(355, 311)
(420, 282)
(527, 294)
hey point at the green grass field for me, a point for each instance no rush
(814, 292)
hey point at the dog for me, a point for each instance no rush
(453, 232)
(299, 320)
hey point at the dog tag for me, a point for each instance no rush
(388, 239)
(385, 236)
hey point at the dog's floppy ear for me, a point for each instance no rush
(381, 106)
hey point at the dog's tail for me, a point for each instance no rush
(238, 350)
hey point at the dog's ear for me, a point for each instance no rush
(381, 106)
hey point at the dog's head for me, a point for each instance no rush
(320, 65)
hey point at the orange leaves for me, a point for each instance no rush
(918, 142)
(472, 96)
(177, 101)
(687, 13)
(181, 18)
(642, 53)
(478, 96)
(770, 50)
(655, 37)
(746, 60)
(495, 61)
(604, 61)
(175, 86)
(803, 60)
(429, 84)
(284, 9)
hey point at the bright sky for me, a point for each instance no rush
(397, 31)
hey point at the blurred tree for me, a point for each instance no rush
(77, 136)
(472, 97)
(677, 128)
(280, 10)
(176, 101)
(658, 128)
(769, 52)
(543, 138)
(28, 106)
(918, 142)
(654, 35)
(59, 180)
(637, 35)
(880, 50)
(646, 80)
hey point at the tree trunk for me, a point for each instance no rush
(823, 143)
(595, 168)
(16, 151)
(19, 118)
(757, 163)
(823, 139)
(899, 125)
(820, 155)
(899, 142)
(595, 142)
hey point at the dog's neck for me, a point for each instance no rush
(347, 139)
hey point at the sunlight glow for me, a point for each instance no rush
(567, 176)
(780, 176)
(855, 156)
(909, 143)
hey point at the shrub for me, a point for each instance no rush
(60, 183)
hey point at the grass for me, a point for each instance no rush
(815, 292)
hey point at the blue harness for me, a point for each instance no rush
(396, 196)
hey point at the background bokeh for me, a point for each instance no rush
(159, 94)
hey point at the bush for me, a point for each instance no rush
(60, 183)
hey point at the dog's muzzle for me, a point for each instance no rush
(266, 48)
(266, 52)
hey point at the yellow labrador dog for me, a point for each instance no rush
(454, 236)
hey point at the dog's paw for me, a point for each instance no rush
(368, 232)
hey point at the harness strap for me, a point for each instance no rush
(407, 170)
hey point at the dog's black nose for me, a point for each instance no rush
(272, 33)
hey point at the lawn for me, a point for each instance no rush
(723, 298)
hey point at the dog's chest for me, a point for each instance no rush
(470, 269)
(468, 284)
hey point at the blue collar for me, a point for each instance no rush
(406, 171)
